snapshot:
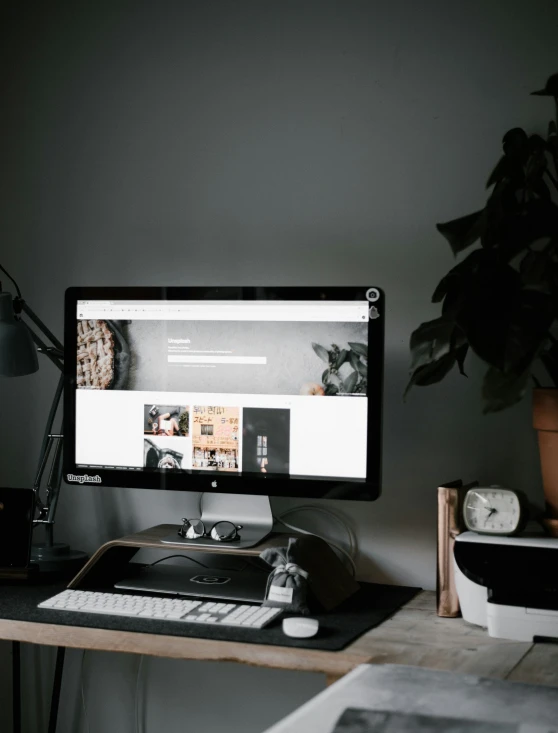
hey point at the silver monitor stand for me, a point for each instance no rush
(253, 513)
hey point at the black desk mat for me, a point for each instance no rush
(365, 610)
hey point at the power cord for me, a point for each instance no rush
(353, 544)
(83, 703)
(83, 700)
(191, 559)
(18, 291)
(328, 513)
(349, 556)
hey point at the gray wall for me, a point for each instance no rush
(250, 143)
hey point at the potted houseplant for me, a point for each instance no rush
(501, 300)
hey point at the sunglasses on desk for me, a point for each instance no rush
(194, 529)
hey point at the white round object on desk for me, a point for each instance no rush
(300, 627)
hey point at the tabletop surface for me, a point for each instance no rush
(414, 635)
(338, 628)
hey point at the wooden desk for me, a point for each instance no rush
(413, 636)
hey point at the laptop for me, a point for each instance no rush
(234, 585)
(16, 527)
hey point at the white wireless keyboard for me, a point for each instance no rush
(169, 609)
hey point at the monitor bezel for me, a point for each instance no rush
(281, 485)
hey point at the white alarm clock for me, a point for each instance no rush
(495, 510)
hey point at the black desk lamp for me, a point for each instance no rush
(19, 343)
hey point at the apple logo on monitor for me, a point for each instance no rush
(214, 484)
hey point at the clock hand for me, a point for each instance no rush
(481, 497)
(491, 511)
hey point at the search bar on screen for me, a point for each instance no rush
(191, 359)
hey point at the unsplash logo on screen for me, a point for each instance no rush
(83, 478)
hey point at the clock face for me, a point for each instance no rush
(493, 511)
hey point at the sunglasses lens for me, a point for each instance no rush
(223, 531)
(195, 529)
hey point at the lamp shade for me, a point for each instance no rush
(18, 353)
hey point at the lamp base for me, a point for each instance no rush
(58, 559)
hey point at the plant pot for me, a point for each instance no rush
(545, 421)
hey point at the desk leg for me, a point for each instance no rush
(56, 687)
(16, 687)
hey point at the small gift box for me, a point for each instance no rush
(287, 585)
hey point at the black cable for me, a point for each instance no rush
(18, 291)
(187, 557)
(82, 686)
(16, 686)
(56, 688)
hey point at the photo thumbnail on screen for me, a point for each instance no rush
(215, 444)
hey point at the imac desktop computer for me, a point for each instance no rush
(239, 393)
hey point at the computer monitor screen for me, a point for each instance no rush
(241, 390)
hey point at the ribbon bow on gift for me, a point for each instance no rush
(292, 569)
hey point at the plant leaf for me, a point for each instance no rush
(541, 189)
(460, 355)
(516, 144)
(360, 349)
(484, 312)
(354, 359)
(537, 163)
(362, 369)
(350, 383)
(458, 274)
(536, 270)
(502, 203)
(551, 88)
(552, 139)
(342, 358)
(500, 171)
(335, 379)
(321, 352)
(508, 168)
(331, 389)
(463, 232)
(501, 389)
(431, 373)
(537, 143)
(538, 219)
(430, 341)
(505, 324)
(325, 376)
(530, 320)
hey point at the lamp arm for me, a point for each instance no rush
(54, 480)
(45, 446)
(21, 304)
(51, 353)
(55, 353)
